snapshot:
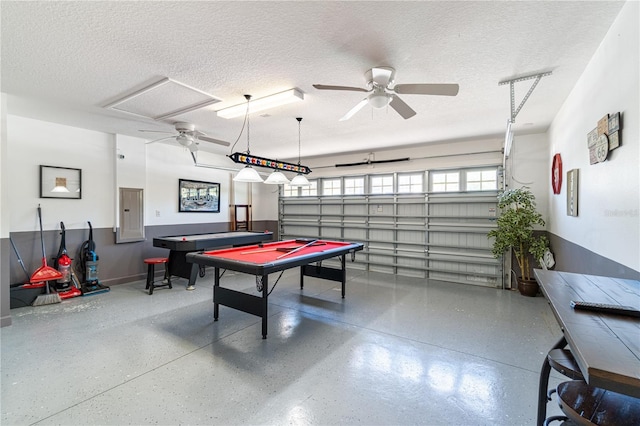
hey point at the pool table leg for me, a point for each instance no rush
(216, 283)
(193, 275)
(344, 274)
(265, 296)
(301, 277)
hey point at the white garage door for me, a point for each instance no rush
(430, 224)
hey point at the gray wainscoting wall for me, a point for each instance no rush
(571, 257)
(118, 263)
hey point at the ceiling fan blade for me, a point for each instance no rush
(212, 140)
(401, 107)
(382, 76)
(161, 139)
(355, 109)
(427, 89)
(352, 89)
(156, 131)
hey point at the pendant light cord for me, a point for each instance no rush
(244, 124)
(248, 126)
(299, 137)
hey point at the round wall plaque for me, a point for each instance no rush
(556, 174)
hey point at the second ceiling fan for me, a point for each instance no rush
(379, 81)
(187, 136)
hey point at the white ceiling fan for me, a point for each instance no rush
(379, 81)
(187, 136)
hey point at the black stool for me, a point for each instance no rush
(561, 360)
(151, 262)
(588, 405)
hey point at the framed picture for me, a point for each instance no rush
(614, 123)
(614, 140)
(603, 125)
(196, 196)
(60, 182)
(592, 138)
(572, 192)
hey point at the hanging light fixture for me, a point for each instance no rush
(379, 98)
(248, 174)
(299, 180)
(276, 178)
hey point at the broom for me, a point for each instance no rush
(48, 298)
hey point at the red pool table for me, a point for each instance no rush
(179, 245)
(264, 259)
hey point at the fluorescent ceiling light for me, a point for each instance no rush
(271, 101)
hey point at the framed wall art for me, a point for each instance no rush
(572, 192)
(60, 182)
(196, 196)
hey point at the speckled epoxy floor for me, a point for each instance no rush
(396, 351)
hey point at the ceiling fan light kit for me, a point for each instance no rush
(187, 136)
(261, 104)
(184, 140)
(379, 99)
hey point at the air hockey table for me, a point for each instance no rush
(180, 245)
(263, 259)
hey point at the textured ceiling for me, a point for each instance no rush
(64, 61)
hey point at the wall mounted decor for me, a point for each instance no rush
(60, 182)
(572, 192)
(604, 138)
(198, 197)
(556, 174)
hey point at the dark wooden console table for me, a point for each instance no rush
(605, 346)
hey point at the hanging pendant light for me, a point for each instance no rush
(248, 174)
(276, 178)
(299, 180)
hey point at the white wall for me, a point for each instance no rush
(31, 143)
(156, 168)
(527, 165)
(609, 221)
(166, 164)
(426, 157)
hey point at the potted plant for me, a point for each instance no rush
(515, 231)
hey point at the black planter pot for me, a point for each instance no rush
(528, 287)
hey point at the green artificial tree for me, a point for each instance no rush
(515, 229)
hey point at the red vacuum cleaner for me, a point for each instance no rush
(65, 286)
